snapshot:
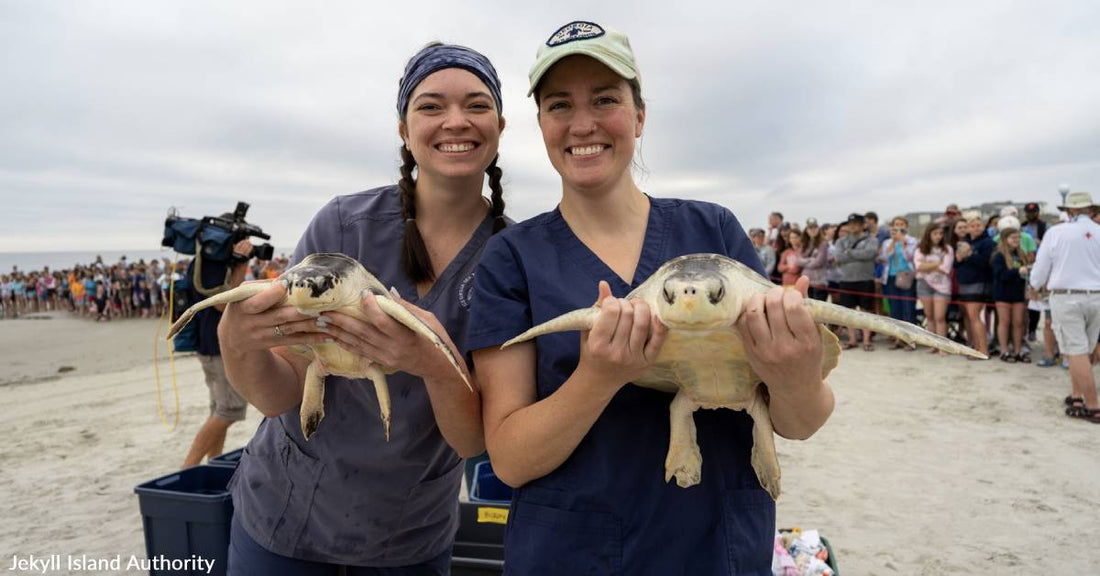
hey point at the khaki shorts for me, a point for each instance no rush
(1076, 322)
(225, 403)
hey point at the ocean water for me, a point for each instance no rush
(34, 261)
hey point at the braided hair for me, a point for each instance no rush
(415, 259)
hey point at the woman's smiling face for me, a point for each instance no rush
(452, 125)
(589, 123)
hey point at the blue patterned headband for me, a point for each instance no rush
(439, 56)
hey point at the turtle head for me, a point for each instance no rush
(317, 283)
(697, 300)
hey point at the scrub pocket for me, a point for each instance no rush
(273, 490)
(430, 505)
(749, 524)
(551, 541)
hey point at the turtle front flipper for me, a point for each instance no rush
(382, 390)
(312, 410)
(242, 292)
(684, 460)
(827, 313)
(582, 319)
(399, 313)
(764, 459)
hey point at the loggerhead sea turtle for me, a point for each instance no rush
(322, 283)
(700, 297)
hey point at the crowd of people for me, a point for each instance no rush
(973, 267)
(102, 291)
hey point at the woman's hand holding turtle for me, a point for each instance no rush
(782, 341)
(390, 343)
(259, 323)
(623, 342)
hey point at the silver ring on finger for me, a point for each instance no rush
(279, 331)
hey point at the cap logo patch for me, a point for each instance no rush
(575, 31)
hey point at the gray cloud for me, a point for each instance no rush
(114, 111)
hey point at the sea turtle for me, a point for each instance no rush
(700, 297)
(322, 283)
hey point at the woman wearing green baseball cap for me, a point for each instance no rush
(585, 451)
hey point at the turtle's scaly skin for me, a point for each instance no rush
(324, 283)
(703, 362)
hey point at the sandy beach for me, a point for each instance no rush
(928, 466)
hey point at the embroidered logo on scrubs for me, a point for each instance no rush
(466, 291)
(575, 31)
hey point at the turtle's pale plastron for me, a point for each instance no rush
(703, 362)
(324, 283)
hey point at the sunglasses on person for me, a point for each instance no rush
(899, 230)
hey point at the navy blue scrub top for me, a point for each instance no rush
(348, 496)
(607, 509)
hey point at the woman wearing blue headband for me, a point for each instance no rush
(348, 499)
(585, 451)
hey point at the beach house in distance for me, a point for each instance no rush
(919, 220)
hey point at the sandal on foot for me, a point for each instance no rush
(847, 345)
(1089, 414)
(868, 347)
(897, 345)
(1046, 363)
(1071, 400)
(1076, 410)
(1024, 358)
(1006, 357)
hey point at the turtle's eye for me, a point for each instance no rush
(670, 297)
(715, 296)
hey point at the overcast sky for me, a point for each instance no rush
(113, 111)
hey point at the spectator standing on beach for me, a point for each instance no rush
(855, 256)
(832, 233)
(7, 303)
(974, 274)
(764, 251)
(790, 263)
(934, 261)
(1033, 224)
(897, 257)
(815, 259)
(226, 404)
(881, 234)
(1068, 264)
(1009, 280)
(950, 215)
(775, 222)
(1035, 227)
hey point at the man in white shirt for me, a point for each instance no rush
(1068, 263)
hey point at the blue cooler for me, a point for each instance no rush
(229, 459)
(187, 514)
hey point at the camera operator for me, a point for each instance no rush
(226, 406)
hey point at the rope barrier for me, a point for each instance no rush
(171, 353)
(897, 297)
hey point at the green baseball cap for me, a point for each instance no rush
(609, 47)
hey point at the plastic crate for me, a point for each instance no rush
(188, 514)
(229, 459)
(479, 543)
(486, 487)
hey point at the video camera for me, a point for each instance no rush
(214, 236)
